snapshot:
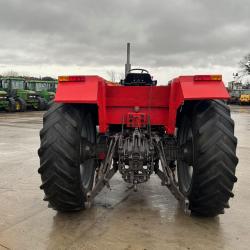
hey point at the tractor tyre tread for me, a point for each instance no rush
(12, 105)
(41, 103)
(216, 158)
(59, 161)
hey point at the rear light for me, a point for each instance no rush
(208, 78)
(71, 78)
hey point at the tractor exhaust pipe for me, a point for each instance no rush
(128, 65)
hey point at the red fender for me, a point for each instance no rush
(186, 88)
(115, 102)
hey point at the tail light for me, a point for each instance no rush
(208, 78)
(71, 78)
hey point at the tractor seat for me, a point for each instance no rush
(138, 79)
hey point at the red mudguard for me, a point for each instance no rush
(141, 104)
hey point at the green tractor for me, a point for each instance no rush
(15, 87)
(44, 89)
(6, 103)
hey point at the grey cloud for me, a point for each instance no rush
(94, 33)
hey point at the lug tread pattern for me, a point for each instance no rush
(216, 159)
(59, 158)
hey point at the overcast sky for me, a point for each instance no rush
(170, 38)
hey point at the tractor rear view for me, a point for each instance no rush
(182, 132)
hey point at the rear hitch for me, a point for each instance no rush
(105, 172)
(167, 176)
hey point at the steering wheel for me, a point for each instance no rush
(142, 71)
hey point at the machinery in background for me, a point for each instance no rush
(24, 98)
(239, 93)
(244, 97)
(43, 89)
(7, 103)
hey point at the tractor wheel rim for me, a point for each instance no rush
(185, 166)
(86, 166)
(85, 173)
(18, 106)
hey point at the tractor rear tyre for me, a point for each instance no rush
(12, 105)
(66, 176)
(206, 174)
(21, 105)
(41, 103)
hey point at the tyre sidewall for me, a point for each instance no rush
(186, 118)
(84, 117)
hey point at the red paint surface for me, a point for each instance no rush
(159, 103)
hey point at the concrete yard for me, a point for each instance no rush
(120, 219)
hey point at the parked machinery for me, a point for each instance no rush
(43, 89)
(244, 97)
(234, 97)
(24, 98)
(7, 102)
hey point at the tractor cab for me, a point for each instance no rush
(42, 88)
(13, 84)
(138, 77)
(3, 98)
(1, 87)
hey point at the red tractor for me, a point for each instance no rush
(181, 131)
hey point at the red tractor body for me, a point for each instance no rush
(119, 104)
(181, 131)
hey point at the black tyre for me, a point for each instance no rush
(206, 175)
(12, 105)
(50, 103)
(66, 176)
(41, 103)
(20, 104)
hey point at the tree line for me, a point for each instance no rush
(12, 73)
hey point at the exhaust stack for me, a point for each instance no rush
(128, 65)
